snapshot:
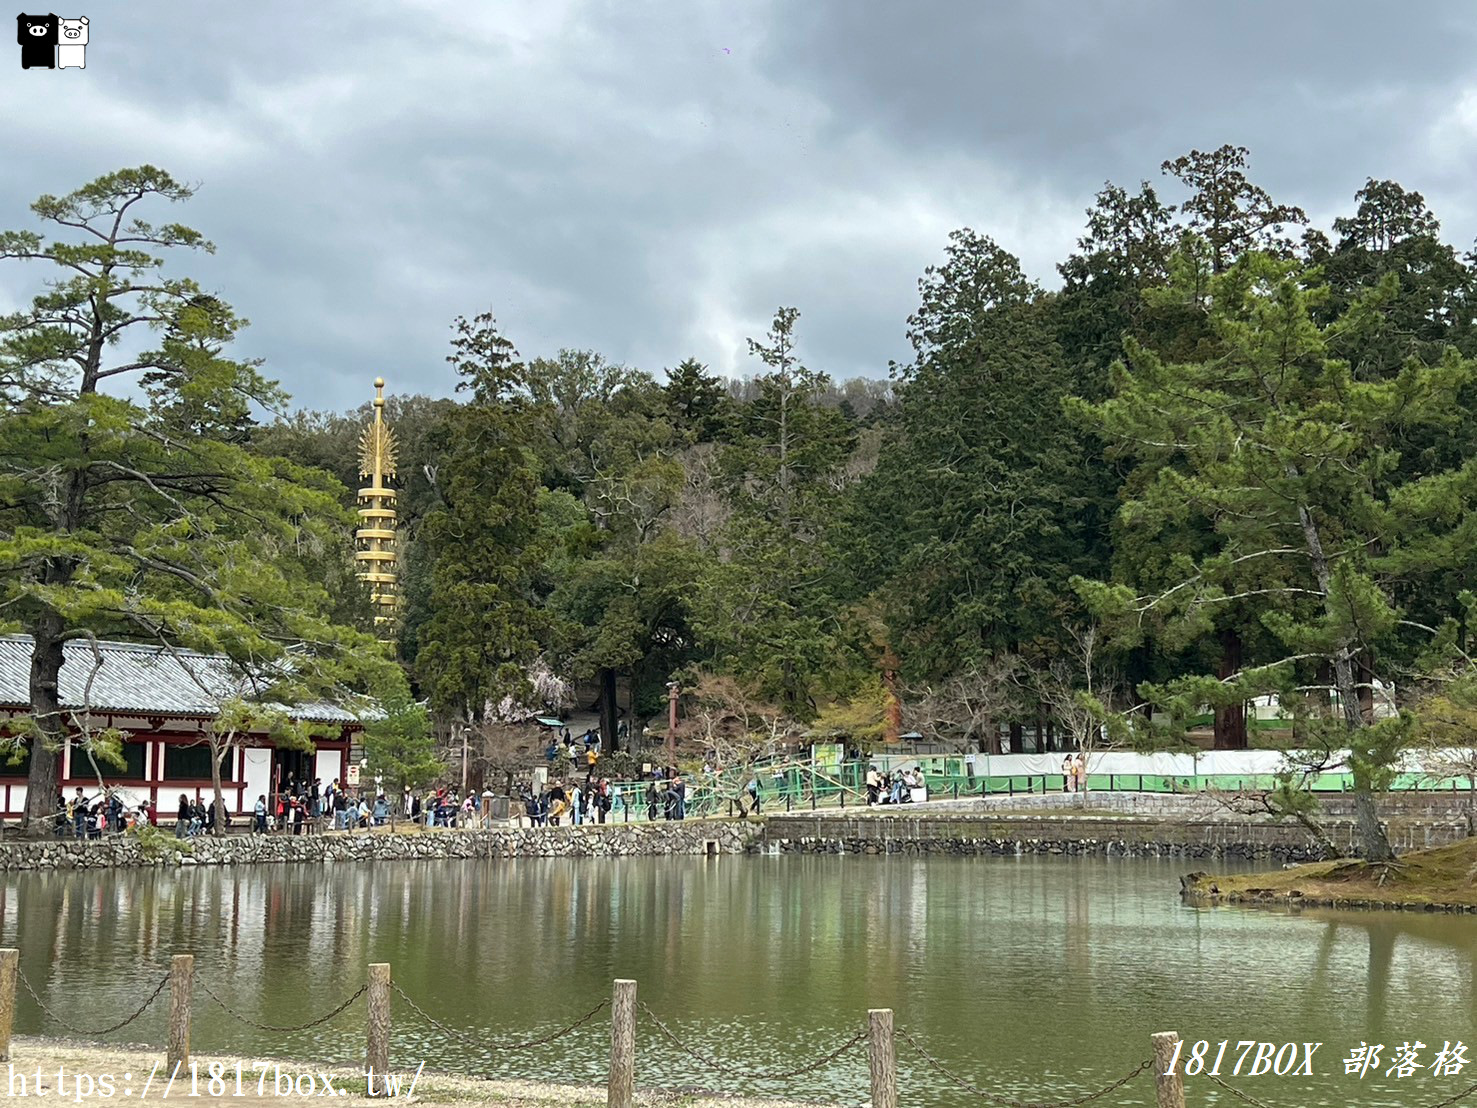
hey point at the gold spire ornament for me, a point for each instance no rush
(376, 554)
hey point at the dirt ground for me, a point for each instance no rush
(78, 1073)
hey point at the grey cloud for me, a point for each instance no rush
(653, 180)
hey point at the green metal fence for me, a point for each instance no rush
(788, 785)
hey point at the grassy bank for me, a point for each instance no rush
(1441, 879)
(433, 1090)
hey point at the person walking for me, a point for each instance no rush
(752, 788)
(653, 799)
(1069, 774)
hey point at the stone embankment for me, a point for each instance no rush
(691, 837)
(1110, 835)
(1108, 826)
(1434, 805)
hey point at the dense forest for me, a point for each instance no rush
(1227, 454)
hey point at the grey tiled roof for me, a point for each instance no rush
(136, 679)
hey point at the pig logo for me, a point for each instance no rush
(37, 35)
(71, 49)
(48, 42)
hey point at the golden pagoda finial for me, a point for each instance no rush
(377, 443)
(376, 539)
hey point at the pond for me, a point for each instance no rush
(1037, 978)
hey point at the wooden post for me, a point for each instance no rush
(621, 1092)
(181, 980)
(377, 1052)
(1168, 1087)
(9, 964)
(882, 1058)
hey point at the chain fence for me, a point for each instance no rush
(755, 1075)
(1463, 1095)
(484, 1045)
(86, 1032)
(275, 1029)
(495, 1047)
(1008, 1102)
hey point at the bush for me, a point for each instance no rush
(155, 844)
(620, 766)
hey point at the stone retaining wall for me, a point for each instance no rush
(1113, 836)
(820, 833)
(1440, 805)
(693, 837)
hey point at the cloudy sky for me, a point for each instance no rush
(651, 180)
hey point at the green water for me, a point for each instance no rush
(1035, 977)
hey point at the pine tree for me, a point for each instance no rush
(129, 504)
(1291, 464)
(1227, 210)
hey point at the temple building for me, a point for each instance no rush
(164, 701)
(375, 539)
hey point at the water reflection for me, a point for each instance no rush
(1036, 976)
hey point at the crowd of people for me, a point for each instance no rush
(312, 806)
(584, 752)
(107, 813)
(666, 794)
(894, 787)
(572, 802)
(304, 806)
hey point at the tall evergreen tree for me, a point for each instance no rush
(481, 553)
(1226, 209)
(623, 608)
(970, 525)
(697, 399)
(1290, 462)
(767, 612)
(1125, 249)
(147, 519)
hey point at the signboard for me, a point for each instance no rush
(826, 757)
(353, 775)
